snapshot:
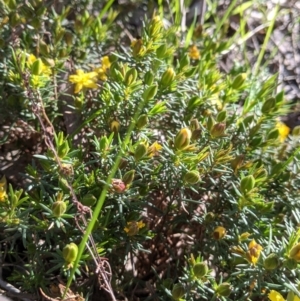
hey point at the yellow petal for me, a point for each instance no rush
(78, 88)
(283, 130)
(73, 79)
(106, 62)
(91, 74)
(79, 72)
(275, 296)
(2, 195)
(90, 84)
(31, 59)
(141, 225)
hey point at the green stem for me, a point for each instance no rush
(225, 17)
(266, 41)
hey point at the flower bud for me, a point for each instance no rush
(194, 124)
(239, 81)
(59, 208)
(142, 121)
(268, 105)
(128, 177)
(89, 200)
(290, 263)
(224, 289)
(132, 227)
(130, 77)
(148, 78)
(218, 130)
(198, 31)
(271, 262)
(140, 151)
(183, 138)
(150, 92)
(67, 170)
(155, 26)
(44, 48)
(247, 184)
(196, 134)
(209, 217)
(200, 269)
(3, 186)
(168, 77)
(178, 291)
(37, 67)
(63, 185)
(104, 144)
(115, 126)
(118, 186)
(70, 252)
(137, 46)
(244, 236)
(68, 37)
(192, 177)
(219, 233)
(237, 162)
(123, 163)
(210, 122)
(63, 149)
(295, 252)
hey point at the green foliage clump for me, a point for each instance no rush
(152, 157)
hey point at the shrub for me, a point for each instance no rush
(152, 157)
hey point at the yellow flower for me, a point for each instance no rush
(31, 59)
(40, 79)
(283, 130)
(83, 80)
(219, 232)
(275, 296)
(102, 71)
(194, 53)
(105, 63)
(154, 149)
(244, 236)
(295, 252)
(253, 252)
(133, 227)
(45, 70)
(3, 194)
